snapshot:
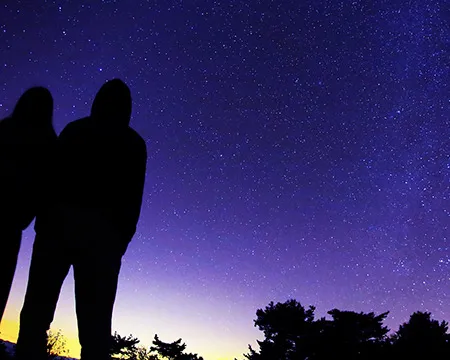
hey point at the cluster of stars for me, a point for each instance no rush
(296, 149)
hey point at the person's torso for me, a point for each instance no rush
(95, 168)
(25, 165)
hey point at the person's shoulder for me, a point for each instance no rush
(75, 126)
(80, 123)
(135, 137)
(136, 141)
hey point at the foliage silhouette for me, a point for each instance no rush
(56, 345)
(287, 328)
(123, 347)
(143, 353)
(291, 333)
(352, 335)
(422, 338)
(171, 351)
(126, 348)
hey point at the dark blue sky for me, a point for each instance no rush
(296, 149)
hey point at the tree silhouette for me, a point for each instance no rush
(352, 335)
(143, 353)
(56, 345)
(291, 333)
(168, 350)
(171, 351)
(124, 347)
(422, 338)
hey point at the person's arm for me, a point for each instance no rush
(49, 193)
(132, 202)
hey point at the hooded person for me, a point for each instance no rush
(102, 166)
(27, 141)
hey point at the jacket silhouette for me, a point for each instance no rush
(101, 173)
(27, 141)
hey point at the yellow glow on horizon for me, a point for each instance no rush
(9, 330)
(211, 326)
(165, 317)
(73, 346)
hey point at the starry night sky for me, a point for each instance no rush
(297, 149)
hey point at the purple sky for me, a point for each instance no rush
(297, 149)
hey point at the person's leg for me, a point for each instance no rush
(9, 245)
(96, 277)
(48, 269)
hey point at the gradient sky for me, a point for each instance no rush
(297, 149)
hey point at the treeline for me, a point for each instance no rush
(122, 347)
(127, 348)
(292, 332)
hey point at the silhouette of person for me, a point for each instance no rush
(101, 176)
(27, 141)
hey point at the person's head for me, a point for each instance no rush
(112, 104)
(34, 108)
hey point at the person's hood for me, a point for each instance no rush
(112, 104)
(34, 108)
